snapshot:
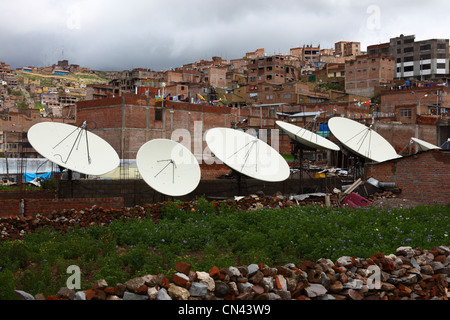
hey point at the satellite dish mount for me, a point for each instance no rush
(81, 129)
(169, 162)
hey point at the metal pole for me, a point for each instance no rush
(6, 155)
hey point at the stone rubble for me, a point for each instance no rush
(409, 274)
(14, 227)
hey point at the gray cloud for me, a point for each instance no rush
(118, 35)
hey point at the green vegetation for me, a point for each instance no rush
(333, 86)
(288, 157)
(90, 78)
(209, 234)
(15, 92)
(22, 105)
(43, 80)
(39, 106)
(17, 187)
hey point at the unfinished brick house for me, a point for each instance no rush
(273, 69)
(129, 121)
(365, 73)
(422, 177)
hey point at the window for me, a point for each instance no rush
(269, 96)
(405, 113)
(287, 95)
(409, 69)
(158, 114)
(441, 65)
(425, 47)
(406, 50)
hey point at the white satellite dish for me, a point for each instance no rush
(247, 154)
(74, 148)
(362, 140)
(168, 167)
(306, 137)
(423, 145)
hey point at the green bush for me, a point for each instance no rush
(7, 285)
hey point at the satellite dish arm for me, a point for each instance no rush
(82, 129)
(373, 122)
(170, 161)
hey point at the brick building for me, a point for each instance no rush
(4, 69)
(50, 99)
(366, 72)
(416, 99)
(271, 70)
(308, 54)
(347, 48)
(420, 111)
(239, 65)
(99, 91)
(382, 50)
(127, 122)
(258, 53)
(214, 76)
(14, 127)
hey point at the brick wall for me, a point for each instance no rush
(399, 135)
(137, 192)
(29, 194)
(213, 171)
(10, 206)
(423, 177)
(47, 206)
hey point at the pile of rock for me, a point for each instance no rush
(381, 195)
(14, 227)
(409, 274)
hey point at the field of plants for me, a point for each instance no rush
(213, 234)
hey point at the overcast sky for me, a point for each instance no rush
(161, 34)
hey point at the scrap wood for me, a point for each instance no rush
(348, 191)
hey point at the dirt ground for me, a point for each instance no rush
(396, 203)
